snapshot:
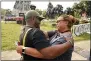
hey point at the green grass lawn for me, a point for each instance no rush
(84, 36)
(11, 31)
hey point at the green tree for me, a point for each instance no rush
(49, 10)
(44, 13)
(8, 12)
(81, 7)
(39, 11)
(78, 8)
(59, 9)
(69, 11)
(20, 4)
(3, 11)
(88, 4)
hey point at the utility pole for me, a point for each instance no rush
(19, 7)
(23, 12)
(23, 7)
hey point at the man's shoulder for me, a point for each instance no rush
(36, 31)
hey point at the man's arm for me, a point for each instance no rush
(29, 51)
(46, 53)
(41, 44)
(56, 50)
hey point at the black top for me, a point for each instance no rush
(37, 41)
(56, 38)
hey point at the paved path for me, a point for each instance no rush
(82, 48)
(83, 52)
(84, 45)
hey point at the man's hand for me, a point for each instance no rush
(68, 37)
(19, 49)
(70, 40)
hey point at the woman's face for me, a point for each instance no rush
(61, 24)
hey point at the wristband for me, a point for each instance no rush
(23, 50)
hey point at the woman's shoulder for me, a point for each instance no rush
(67, 34)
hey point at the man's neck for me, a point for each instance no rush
(30, 25)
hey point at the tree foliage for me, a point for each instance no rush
(58, 10)
(19, 5)
(52, 12)
(44, 13)
(81, 7)
(88, 4)
(3, 11)
(69, 11)
(39, 11)
(49, 10)
(6, 12)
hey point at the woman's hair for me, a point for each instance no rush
(71, 20)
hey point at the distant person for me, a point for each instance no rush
(36, 39)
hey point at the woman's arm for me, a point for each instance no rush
(30, 51)
(49, 34)
(46, 34)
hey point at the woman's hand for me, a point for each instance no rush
(70, 39)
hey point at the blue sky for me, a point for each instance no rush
(40, 5)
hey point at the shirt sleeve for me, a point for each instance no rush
(21, 36)
(68, 35)
(51, 33)
(40, 41)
